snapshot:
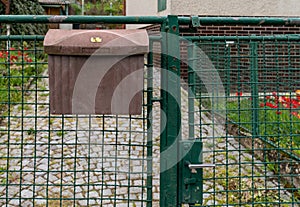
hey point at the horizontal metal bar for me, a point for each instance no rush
(198, 166)
(254, 21)
(155, 38)
(147, 20)
(290, 37)
(293, 37)
(22, 37)
(156, 99)
(82, 19)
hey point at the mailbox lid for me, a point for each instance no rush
(96, 42)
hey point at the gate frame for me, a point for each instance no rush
(169, 183)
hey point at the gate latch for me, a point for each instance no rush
(191, 172)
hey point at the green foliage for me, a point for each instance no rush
(76, 9)
(279, 125)
(17, 70)
(102, 7)
(21, 7)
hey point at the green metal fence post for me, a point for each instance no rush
(254, 88)
(191, 91)
(149, 128)
(171, 108)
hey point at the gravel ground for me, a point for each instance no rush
(78, 157)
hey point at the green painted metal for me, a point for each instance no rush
(22, 37)
(82, 19)
(149, 128)
(254, 21)
(191, 92)
(92, 162)
(254, 88)
(161, 5)
(258, 74)
(190, 181)
(251, 154)
(195, 21)
(148, 20)
(170, 105)
(291, 37)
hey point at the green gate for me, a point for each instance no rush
(228, 136)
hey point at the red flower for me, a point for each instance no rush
(288, 100)
(238, 93)
(262, 105)
(286, 105)
(294, 113)
(278, 112)
(29, 60)
(295, 103)
(12, 48)
(3, 54)
(271, 105)
(13, 57)
(268, 97)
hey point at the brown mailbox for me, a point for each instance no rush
(96, 71)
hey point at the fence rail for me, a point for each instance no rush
(240, 103)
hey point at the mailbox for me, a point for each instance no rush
(96, 71)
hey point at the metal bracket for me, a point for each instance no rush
(195, 21)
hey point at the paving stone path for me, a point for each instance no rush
(88, 158)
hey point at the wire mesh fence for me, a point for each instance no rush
(246, 109)
(64, 160)
(242, 103)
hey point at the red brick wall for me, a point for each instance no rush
(288, 56)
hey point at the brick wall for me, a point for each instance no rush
(278, 62)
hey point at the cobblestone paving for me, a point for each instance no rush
(88, 158)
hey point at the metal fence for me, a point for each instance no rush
(239, 111)
(63, 160)
(255, 138)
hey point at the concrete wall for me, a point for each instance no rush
(214, 8)
(140, 8)
(236, 7)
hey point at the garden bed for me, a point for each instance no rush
(278, 140)
(19, 67)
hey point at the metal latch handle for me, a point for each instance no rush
(198, 166)
(194, 167)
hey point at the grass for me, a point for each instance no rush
(55, 199)
(60, 133)
(275, 124)
(240, 191)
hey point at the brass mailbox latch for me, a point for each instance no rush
(96, 39)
